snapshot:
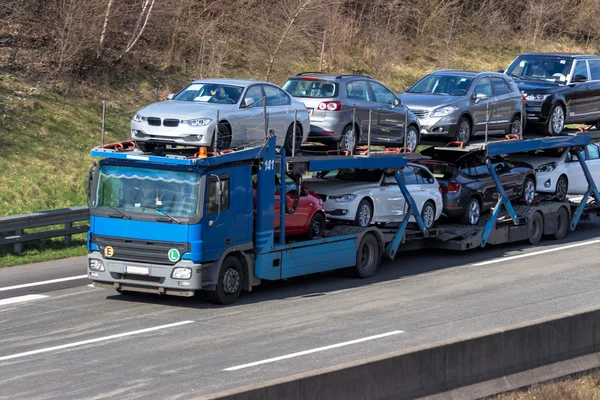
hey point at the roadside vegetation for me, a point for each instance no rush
(578, 387)
(60, 59)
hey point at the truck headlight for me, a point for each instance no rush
(96, 265)
(443, 111)
(181, 273)
(198, 121)
(344, 198)
(546, 167)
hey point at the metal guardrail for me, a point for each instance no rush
(12, 228)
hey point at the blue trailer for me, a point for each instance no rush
(222, 239)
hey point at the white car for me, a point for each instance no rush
(189, 118)
(365, 196)
(558, 170)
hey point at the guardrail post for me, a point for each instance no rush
(68, 238)
(18, 247)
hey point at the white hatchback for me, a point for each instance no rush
(365, 196)
(559, 172)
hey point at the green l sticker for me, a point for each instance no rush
(173, 255)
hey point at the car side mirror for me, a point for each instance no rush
(304, 192)
(395, 103)
(579, 78)
(248, 102)
(500, 71)
(479, 97)
(171, 96)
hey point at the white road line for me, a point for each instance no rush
(19, 299)
(537, 253)
(101, 339)
(302, 353)
(24, 285)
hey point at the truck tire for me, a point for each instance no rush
(562, 223)
(229, 284)
(535, 228)
(367, 256)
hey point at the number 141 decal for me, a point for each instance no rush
(269, 165)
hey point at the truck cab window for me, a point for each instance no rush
(212, 199)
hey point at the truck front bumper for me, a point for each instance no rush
(145, 277)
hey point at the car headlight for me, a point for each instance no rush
(535, 97)
(198, 121)
(139, 118)
(443, 111)
(546, 167)
(181, 273)
(96, 265)
(343, 198)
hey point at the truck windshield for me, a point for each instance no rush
(132, 190)
(552, 69)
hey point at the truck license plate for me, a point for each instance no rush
(136, 270)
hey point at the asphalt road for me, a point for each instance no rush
(87, 343)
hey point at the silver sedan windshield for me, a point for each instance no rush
(210, 93)
(448, 85)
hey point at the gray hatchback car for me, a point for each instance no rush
(333, 101)
(455, 105)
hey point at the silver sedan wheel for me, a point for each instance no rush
(558, 120)
(464, 131)
(474, 212)
(428, 215)
(231, 281)
(364, 215)
(529, 191)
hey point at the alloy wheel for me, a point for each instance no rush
(364, 215)
(474, 213)
(411, 139)
(464, 132)
(561, 188)
(529, 195)
(349, 140)
(428, 216)
(558, 119)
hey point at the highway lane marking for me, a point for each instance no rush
(20, 299)
(536, 253)
(25, 285)
(96, 340)
(302, 353)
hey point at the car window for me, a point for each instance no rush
(473, 167)
(382, 94)
(453, 85)
(358, 90)
(593, 152)
(500, 86)
(285, 99)
(483, 86)
(594, 69)
(423, 176)
(390, 179)
(581, 69)
(212, 204)
(273, 96)
(254, 93)
(311, 87)
(410, 178)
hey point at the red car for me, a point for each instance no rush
(309, 217)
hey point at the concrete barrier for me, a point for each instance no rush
(466, 368)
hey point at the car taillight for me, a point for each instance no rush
(441, 189)
(453, 187)
(330, 106)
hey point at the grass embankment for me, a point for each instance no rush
(46, 132)
(579, 387)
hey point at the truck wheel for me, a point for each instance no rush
(367, 256)
(229, 285)
(562, 223)
(535, 228)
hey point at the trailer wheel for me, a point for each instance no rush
(562, 223)
(229, 285)
(367, 256)
(535, 228)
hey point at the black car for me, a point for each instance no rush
(467, 186)
(559, 89)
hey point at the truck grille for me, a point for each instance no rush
(154, 121)
(145, 251)
(171, 122)
(421, 113)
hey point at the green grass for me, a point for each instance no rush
(43, 250)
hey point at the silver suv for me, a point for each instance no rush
(339, 108)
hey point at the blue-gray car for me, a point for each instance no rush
(456, 105)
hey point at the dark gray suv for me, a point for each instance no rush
(339, 108)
